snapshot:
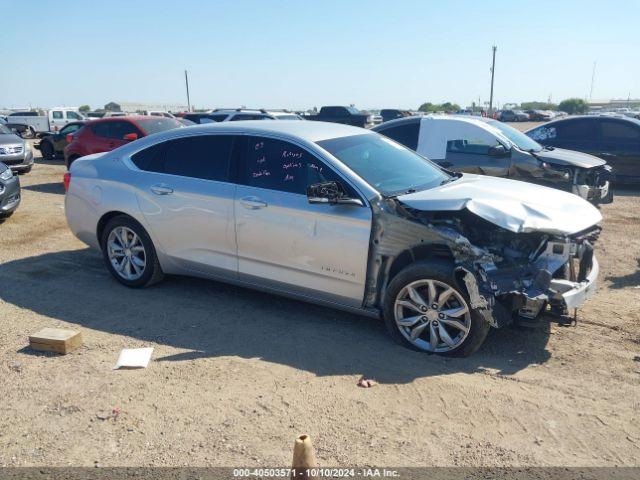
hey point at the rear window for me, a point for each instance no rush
(406, 134)
(207, 157)
(158, 124)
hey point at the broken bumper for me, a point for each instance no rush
(574, 294)
(596, 195)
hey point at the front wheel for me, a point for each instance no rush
(425, 309)
(129, 253)
(46, 149)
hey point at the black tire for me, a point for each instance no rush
(441, 271)
(152, 272)
(46, 149)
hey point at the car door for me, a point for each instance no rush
(117, 131)
(619, 145)
(60, 140)
(56, 120)
(475, 155)
(286, 243)
(186, 194)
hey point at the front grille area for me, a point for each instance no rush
(10, 149)
(595, 177)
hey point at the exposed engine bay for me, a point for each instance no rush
(507, 274)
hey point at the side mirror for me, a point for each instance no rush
(130, 137)
(498, 151)
(330, 192)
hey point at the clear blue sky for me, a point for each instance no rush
(297, 54)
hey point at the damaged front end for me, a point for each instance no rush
(506, 274)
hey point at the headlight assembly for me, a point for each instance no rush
(6, 175)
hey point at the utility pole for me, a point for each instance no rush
(493, 68)
(186, 81)
(593, 76)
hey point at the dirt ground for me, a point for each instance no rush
(237, 374)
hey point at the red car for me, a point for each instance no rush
(106, 134)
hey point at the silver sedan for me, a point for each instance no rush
(340, 216)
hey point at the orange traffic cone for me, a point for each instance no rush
(304, 458)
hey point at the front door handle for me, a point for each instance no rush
(162, 189)
(253, 203)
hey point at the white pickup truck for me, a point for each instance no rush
(50, 121)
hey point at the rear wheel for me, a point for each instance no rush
(426, 310)
(129, 253)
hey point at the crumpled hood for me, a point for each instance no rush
(560, 156)
(510, 204)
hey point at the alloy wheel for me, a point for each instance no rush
(126, 253)
(432, 315)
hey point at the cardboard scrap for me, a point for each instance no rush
(134, 358)
(55, 340)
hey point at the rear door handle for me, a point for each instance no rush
(162, 189)
(253, 203)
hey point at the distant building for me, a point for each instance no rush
(613, 103)
(133, 107)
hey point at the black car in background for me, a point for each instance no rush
(614, 139)
(9, 191)
(53, 143)
(345, 115)
(200, 118)
(388, 114)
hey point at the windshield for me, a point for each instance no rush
(5, 130)
(158, 124)
(517, 137)
(384, 164)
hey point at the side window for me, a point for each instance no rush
(102, 129)
(406, 134)
(207, 157)
(612, 130)
(218, 117)
(73, 115)
(543, 133)
(576, 129)
(472, 147)
(206, 120)
(70, 129)
(119, 129)
(57, 115)
(279, 165)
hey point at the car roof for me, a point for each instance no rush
(307, 131)
(133, 118)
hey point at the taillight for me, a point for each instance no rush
(66, 180)
(69, 137)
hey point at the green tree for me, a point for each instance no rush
(429, 107)
(85, 108)
(573, 105)
(538, 106)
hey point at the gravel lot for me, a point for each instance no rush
(237, 374)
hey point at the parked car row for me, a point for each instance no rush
(489, 147)
(341, 216)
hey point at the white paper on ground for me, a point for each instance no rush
(134, 358)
